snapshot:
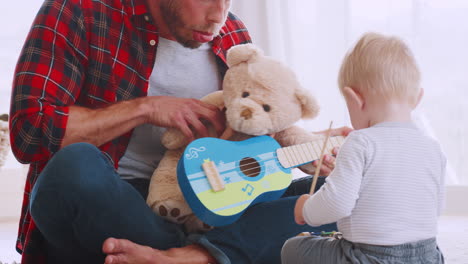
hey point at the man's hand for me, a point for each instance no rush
(98, 126)
(298, 216)
(328, 163)
(187, 115)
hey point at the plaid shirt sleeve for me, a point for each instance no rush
(47, 80)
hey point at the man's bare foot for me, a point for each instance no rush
(122, 251)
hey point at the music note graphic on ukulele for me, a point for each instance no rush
(226, 177)
(246, 189)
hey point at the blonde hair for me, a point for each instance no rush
(381, 66)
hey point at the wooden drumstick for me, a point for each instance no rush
(317, 170)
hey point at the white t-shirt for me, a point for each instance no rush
(178, 72)
(387, 187)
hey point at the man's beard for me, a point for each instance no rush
(174, 22)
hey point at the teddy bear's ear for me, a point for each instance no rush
(309, 105)
(242, 53)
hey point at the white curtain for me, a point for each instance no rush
(312, 36)
(16, 19)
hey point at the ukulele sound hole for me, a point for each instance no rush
(250, 167)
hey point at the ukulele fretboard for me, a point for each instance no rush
(296, 155)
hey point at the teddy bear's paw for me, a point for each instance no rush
(172, 211)
(173, 139)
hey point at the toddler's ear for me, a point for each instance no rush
(353, 96)
(420, 96)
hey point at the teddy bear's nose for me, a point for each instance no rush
(246, 113)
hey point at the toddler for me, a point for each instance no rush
(387, 189)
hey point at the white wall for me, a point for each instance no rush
(11, 193)
(16, 19)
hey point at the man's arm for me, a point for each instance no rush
(98, 126)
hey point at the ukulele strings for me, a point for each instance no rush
(262, 166)
(255, 167)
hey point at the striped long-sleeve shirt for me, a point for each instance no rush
(90, 53)
(387, 187)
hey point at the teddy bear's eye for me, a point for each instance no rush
(266, 107)
(245, 94)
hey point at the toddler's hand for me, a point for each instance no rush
(328, 163)
(298, 216)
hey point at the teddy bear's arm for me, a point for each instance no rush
(214, 98)
(174, 138)
(296, 135)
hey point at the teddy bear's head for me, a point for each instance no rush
(262, 95)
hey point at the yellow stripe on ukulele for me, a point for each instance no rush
(234, 198)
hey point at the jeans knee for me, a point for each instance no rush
(76, 169)
(76, 154)
(71, 160)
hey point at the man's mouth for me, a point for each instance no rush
(202, 37)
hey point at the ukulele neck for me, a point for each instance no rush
(296, 155)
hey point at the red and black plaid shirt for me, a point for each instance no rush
(90, 53)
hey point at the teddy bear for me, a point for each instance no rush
(260, 96)
(4, 142)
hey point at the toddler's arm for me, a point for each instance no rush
(298, 216)
(337, 197)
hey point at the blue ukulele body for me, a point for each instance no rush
(249, 169)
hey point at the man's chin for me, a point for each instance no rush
(192, 44)
(187, 41)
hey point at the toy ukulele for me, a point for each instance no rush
(220, 178)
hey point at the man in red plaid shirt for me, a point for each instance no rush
(96, 82)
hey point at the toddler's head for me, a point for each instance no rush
(380, 70)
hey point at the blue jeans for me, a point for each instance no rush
(79, 201)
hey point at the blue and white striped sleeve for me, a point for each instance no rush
(337, 197)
